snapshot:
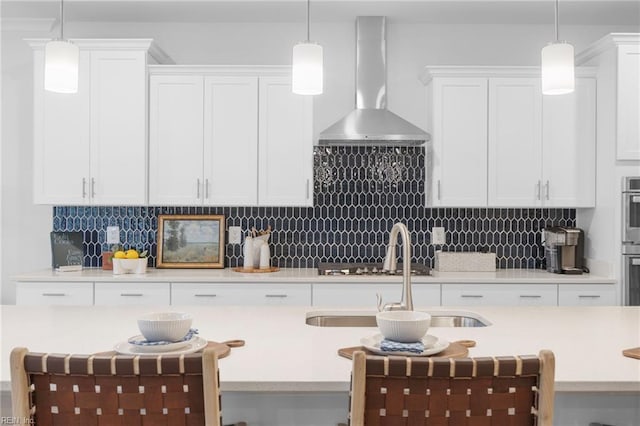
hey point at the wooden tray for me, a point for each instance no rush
(457, 349)
(222, 349)
(256, 270)
(632, 353)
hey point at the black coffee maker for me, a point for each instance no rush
(564, 250)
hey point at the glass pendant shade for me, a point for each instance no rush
(61, 67)
(557, 69)
(307, 75)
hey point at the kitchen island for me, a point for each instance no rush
(289, 372)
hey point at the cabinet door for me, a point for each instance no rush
(364, 295)
(61, 139)
(118, 127)
(132, 293)
(587, 295)
(628, 126)
(175, 140)
(499, 295)
(459, 135)
(230, 141)
(285, 145)
(240, 294)
(569, 147)
(54, 293)
(515, 142)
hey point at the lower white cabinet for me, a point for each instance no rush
(587, 295)
(240, 294)
(499, 295)
(364, 295)
(132, 293)
(54, 293)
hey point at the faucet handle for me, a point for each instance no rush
(389, 306)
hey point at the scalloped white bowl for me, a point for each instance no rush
(167, 326)
(403, 326)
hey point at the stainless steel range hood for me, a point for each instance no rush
(371, 123)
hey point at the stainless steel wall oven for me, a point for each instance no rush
(631, 241)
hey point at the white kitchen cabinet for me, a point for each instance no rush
(91, 147)
(587, 295)
(54, 293)
(203, 140)
(498, 142)
(628, 125)
(240, 294)
(247, 138)
(364, 295)
(499, 295)
(286, 149)
(132, 293)
(458, 128)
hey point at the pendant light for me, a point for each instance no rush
(557, 66)
(307, 66)
(61, 59)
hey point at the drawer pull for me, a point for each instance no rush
(472, 296)
(276, 295)
(205, 295)
(530, 296)
(54, 294)
(132, 294)
(588, 296)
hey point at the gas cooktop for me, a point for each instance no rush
(325, 268)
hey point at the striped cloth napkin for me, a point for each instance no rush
(144, 342)
(392, 346)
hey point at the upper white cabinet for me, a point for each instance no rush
(497, 141)
(229, 136)
(617, 58)
(91, 147)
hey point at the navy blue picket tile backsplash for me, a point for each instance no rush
(359, 193)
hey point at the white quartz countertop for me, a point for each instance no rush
(282, 353)
(310, 275)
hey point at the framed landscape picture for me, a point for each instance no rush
(190, 241)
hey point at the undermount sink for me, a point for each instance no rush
(368, 319)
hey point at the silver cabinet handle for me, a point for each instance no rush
(276, 295)
(307, 189)
(54, 294)
(530, 296)
(198, 188)
(472, 296)
(84, 188)
(205, 295)
(588, 296)
(131, 294)
(546, 189)
(538, 190)
(439, 189)
(206, 188)
(93, 188)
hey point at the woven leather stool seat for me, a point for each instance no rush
(413, 391)
(65, 390)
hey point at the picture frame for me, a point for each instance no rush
(190, 241)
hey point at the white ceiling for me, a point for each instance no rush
(572, 12)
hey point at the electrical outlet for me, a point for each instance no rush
(113, 235)
(437, 236)
(235, 233)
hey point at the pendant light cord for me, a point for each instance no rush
(557, 36)
(308, 33)
(61, 19)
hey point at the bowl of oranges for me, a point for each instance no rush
(129, 262)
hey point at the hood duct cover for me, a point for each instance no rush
(371, 123)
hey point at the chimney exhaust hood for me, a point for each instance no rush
(371, 123)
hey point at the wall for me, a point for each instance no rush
(411, 46)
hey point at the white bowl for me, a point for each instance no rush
(166, 326)
(129, 266)
(403, 326)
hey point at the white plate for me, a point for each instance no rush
(159, 348)
(193, 345)
(432, 346)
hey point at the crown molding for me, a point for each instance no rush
(610, 41)
(221, 70)
(430, 72)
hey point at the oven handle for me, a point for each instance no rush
(635, 261)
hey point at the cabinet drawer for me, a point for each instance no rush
(54, 293)
(587, 295)
(240, 294)
(499, 294)
(132, 293)
(364, 295)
